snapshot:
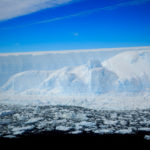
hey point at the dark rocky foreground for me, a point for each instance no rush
(29, 124)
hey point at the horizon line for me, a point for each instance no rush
(71, 50)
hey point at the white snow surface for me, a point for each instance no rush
(99, 79)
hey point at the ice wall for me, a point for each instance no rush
(125, 72)
(132, 69)
(11, 64)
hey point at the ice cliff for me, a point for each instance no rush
(77, 73)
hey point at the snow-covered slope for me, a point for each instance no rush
(25, 80)
(132, 70)
(125, 72)
(129, 65)
(12, 63)
(85, 79)
(98, 79)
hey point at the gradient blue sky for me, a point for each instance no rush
(73, 24)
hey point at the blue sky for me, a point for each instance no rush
(42, 25)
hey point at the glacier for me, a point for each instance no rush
(115, 78)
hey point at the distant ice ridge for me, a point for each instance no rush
(12, 63)
(84, 79)
(132, 70)
(120, 81)
(125, 72)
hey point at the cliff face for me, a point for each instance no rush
(124, 72)
(13, 63)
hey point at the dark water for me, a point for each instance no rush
(84, 138)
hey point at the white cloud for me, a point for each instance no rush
(53, 3)
(13, 8)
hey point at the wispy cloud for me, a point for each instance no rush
(127, 3)
(87, 12)
(13, 8)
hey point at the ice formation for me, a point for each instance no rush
(73, 73)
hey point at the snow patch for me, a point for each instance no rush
(20, 130)
(63, 128)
